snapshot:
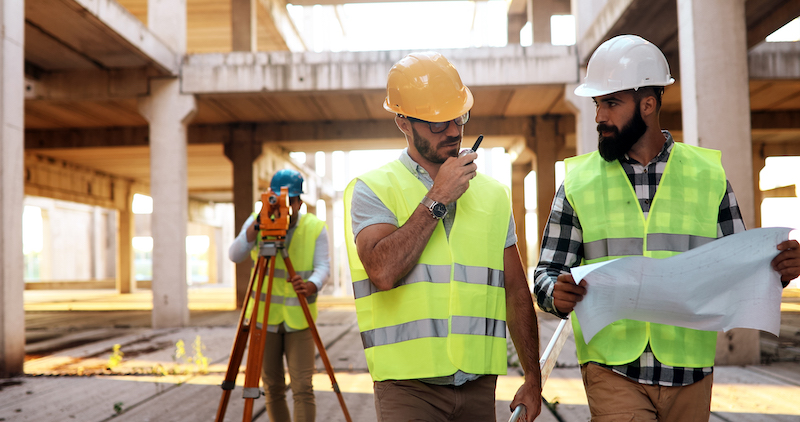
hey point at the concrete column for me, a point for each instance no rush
(243, 150)
(12, 104)
(759, 162)
(168, 112)
(584, 110)
(515, 23)
(335, 280)
(243, 25)
(716, 114)
(98, 244)
(518, 173)
(167, 18)
(126, 229)
(541, 12)
(547, 143)
(715, 88)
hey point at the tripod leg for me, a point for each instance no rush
(256, 351)
(237, 350)
(322, 354)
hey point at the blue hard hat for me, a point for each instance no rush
(292, 179)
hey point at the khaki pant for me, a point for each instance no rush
(613, 397)
(411, 400)
(299, 349)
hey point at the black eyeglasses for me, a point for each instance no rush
(439, 127)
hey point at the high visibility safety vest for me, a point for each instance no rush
(284, 305)
(682, 216)
(448, 313)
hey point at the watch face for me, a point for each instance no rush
(439, 210)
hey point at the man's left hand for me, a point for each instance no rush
(530, 395)
(305, 288)
(787, 263)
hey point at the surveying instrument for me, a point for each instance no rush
(274, 222)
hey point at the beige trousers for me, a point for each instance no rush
(299, 349)
(613, 397)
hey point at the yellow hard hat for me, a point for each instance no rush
(426, 86)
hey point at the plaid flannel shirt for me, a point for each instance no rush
(562, 249)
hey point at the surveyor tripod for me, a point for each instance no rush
(273, 241)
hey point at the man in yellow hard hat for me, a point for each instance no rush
(640, 194)
(434, 262)
(288, 331)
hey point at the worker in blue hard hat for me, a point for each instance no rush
(287, 331)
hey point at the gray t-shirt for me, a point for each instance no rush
(367, 209)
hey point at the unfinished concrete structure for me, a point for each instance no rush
(198, 101)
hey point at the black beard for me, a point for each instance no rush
(617, 145)
(427, 152)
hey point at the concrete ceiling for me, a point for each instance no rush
(67, 37)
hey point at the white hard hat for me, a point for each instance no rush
(624, 62)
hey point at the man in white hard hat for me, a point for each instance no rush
(434, 262)
(607, 208)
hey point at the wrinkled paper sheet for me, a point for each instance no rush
(728, 283)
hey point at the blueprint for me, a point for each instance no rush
(728, 283)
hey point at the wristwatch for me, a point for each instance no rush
(438, 209)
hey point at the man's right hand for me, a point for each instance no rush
(567, 294)
(453, 178)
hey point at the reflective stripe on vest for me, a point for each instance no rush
(437, 274)
(452, 303)
(284, 304)
(683, 215)
(614, 247)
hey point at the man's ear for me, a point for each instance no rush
(404, 125)
(648, 105)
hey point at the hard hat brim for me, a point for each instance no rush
(583, 90)
(470, 101)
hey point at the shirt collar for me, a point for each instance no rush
(412, 166)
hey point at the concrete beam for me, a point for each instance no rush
(114, 22)
(348, 71)
(778, 60)
(87, 137)
(777, 17)
(600, 27)
(59, 179)
(89, 84)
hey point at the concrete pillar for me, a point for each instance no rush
(759, 162)
(12, 104)
(98, 242)
(585, 113)
(515, 23)
(243, 25)
(243, 150)
(335, 280)
(716, 114)
(715, 88)
(546, 144)
(540, 13)
(167, 18)
(168, 112)
(126, 229)
(518, 173)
